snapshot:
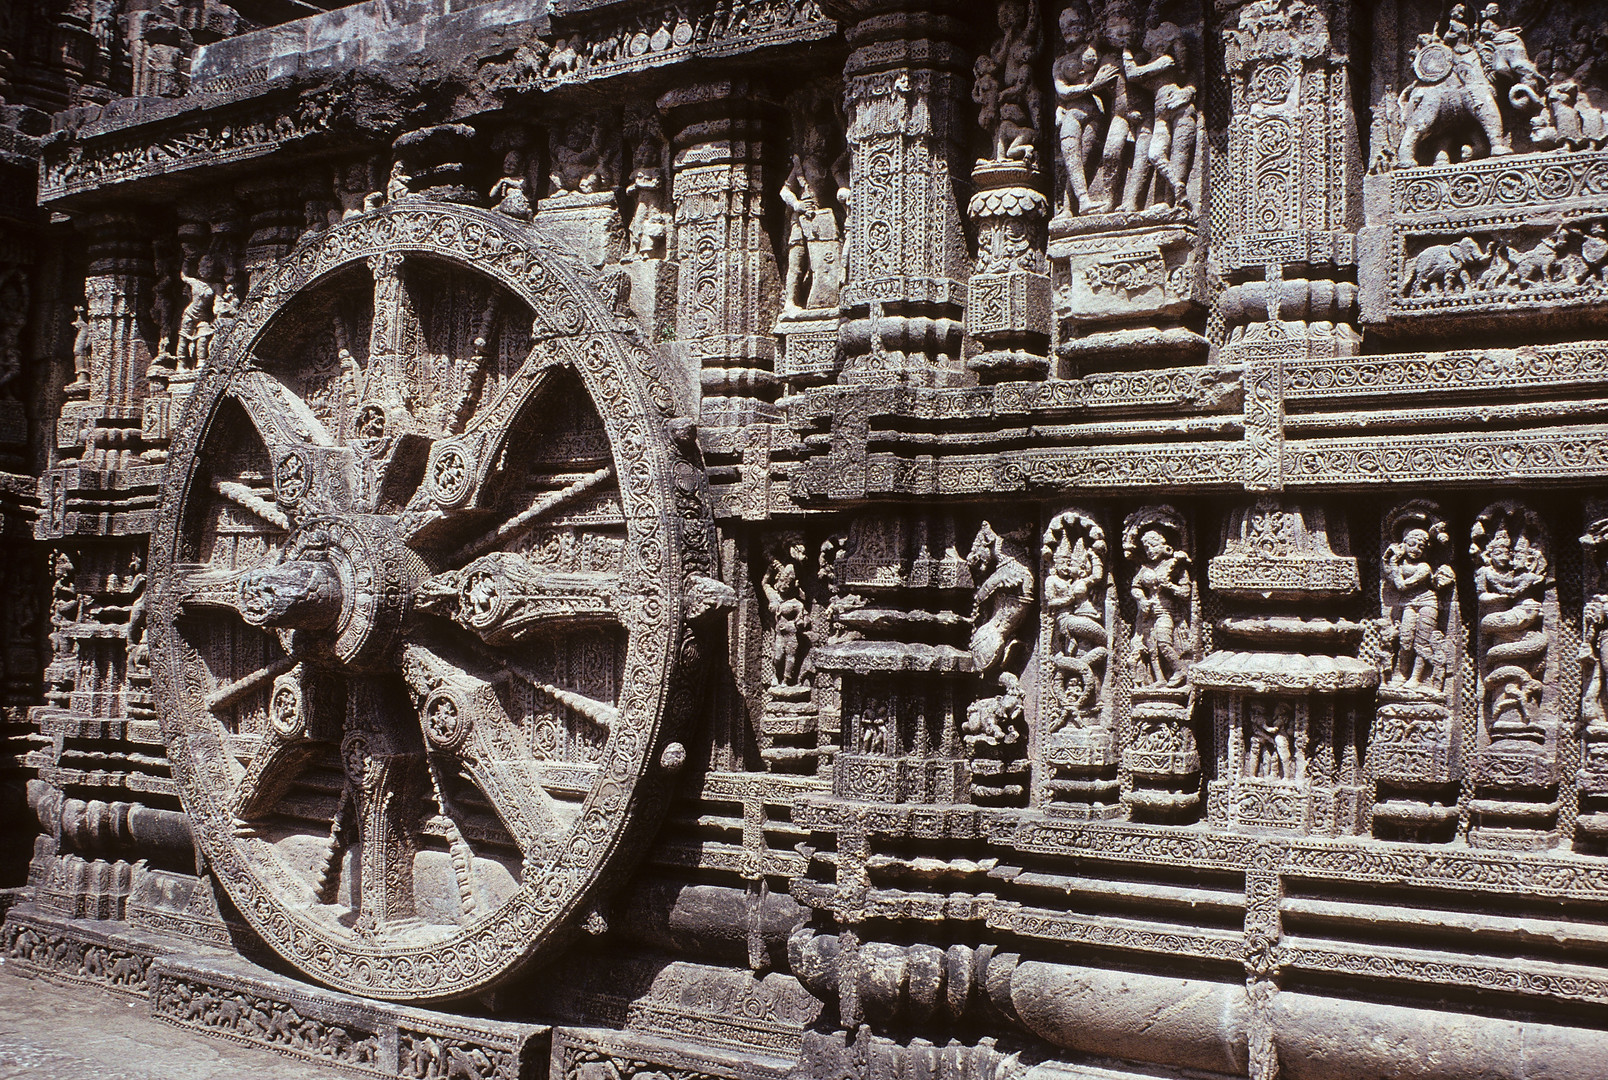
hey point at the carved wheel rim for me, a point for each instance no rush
(392, 639)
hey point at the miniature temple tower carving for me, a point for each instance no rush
(1287, 689)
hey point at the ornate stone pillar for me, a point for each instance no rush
(904, 294)
(117, 295)
(729, 289)
(276, 203)
(1291, 188)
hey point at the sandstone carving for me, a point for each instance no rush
(811, 539)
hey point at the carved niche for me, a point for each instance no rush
(1516, 770)
(1286, 685)
(1415, 744)
(422, 621)
(1592, 822)
(1161, 754)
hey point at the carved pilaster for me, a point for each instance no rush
(117, 292)
(276, 202)
(722, 135)
(904, 291)
(1293, 174)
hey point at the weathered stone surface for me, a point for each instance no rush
(609, 539)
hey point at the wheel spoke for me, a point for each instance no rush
(463, 720)
(504, 598)
(385, 778)
(299, 725)
(530, 517)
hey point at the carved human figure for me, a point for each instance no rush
(1419, 573)
(579, 160)
(1079, 78)
(790, 614)
(1162, 590)
(226, 305)
(873, 732)
(1004, 84)
(1269, 750)
(649, 233)
(999, 720)
(1594, 634)
(1508, 586)
(1074, 603)
(1171, 147)
(195, 322)
(1129, 97)
(510, 194)
(83, 354)
(1001, 603)
(811, 194)
(397, 186)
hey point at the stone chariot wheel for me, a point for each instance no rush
(431, 556)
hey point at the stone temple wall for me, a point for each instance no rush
(827, 539)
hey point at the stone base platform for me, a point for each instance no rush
(216, 993)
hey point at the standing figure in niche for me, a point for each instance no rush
(1001, 603)
(83, 354)
(1513, 638)
(195, 322)
(790, 616)
(1162, 591)
(1594, 635)
(1074, 603)
(1270, 754)
(649, 234)
(815, 235)
(1079, 112)
(1419, 583)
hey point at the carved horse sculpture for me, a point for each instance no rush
(1002, 601)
